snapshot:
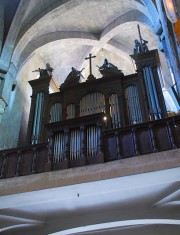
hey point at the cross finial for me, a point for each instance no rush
(91, 76)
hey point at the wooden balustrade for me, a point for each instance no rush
(144, 138)
(23, 161)
(110, 144)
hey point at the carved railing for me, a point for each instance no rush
(105, 145)
(144, 138)
(23, 161)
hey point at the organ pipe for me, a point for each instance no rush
(155, 93)
(37, 118)
(155, 110)
(92, 103)
(59, 147)
(92, 141)
(56, 112)
(133, 105)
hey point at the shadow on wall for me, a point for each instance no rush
(171, 102)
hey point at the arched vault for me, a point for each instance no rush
(77, 28)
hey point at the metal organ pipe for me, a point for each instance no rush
(133, 105)
(136, 108)
(40, 115)
(131, 114)
(37, 118)
(148, 92)
(92, 141)
(114, 110)
(117, 112)
(130, 107)
(59, 147)
(92, 103)
(155, 93)
(75, 144)
(149, 89)
(56, 112)
(152, 93)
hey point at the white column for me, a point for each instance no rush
(2, 25)
(170, 50)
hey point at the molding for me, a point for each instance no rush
(3, 105)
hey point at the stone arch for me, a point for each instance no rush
(79, 37)
(151, 8)
(37, 17)
(15, 28)
(112, 29)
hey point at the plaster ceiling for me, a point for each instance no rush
(67, 53)
(139, 204)
(63, 33)
(86, 16)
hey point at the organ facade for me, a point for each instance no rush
(74, 119)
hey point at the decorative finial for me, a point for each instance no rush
(141, 44)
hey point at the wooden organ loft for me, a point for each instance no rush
(100, 120)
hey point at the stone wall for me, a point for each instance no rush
(15, 118)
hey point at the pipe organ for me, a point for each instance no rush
(114, 111)
(56, 112)
(59, 147)
(155, 110)
(92, 141)
(148, 68)
(75, 124)
(92, 103)
(37, 118)
(133, 105)
(75, 144)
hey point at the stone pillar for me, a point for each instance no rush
(7, 84)
(2, 107)
(2, 25)
(169, 46)
(3, 102)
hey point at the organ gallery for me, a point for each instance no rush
(101, 119)
(94, 121)
(97, 120)
(89, 117)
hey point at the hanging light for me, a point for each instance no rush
(170, 10)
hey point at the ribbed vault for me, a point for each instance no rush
(64, 32)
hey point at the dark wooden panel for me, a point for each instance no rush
(26, 167)
(162, 138)
(1, 162)
(95, 160)
(78, 162)
(177, 133)
(60, 165)
(110, 148)
(11, 164)
(127, 144)
(41, 160)
(144, 141)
